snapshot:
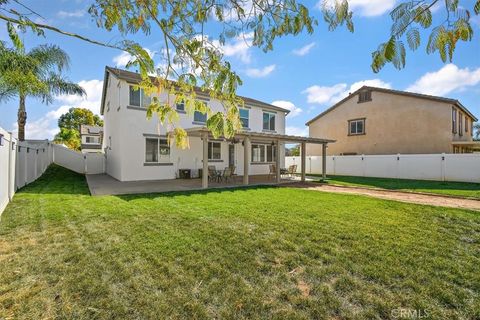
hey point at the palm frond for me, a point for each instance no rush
(58, 85)
(50, 57)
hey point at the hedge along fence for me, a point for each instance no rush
(22, 162)
(439, 167)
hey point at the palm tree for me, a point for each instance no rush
(37, 73)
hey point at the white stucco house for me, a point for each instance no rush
(91, 138)
(136, 148)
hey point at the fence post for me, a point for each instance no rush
(398, 166)
(443, 166)
(334, 166)
(35, 163)
(363, 165)
(27, 150)
(9, 179)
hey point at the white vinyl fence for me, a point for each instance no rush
(88, 163)
(440, 167)
(23, 162)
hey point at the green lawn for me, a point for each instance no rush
(257, 253)
(461, 189)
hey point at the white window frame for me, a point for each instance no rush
(210, 150)
(162, 143)
(199, 121)
(356, 122)
(263, 147)
(144, 100)
(181, 104)
(247, 118)
(270, 115)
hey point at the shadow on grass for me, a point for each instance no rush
(171, 194)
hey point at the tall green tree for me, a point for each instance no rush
(409, 19)
(193, 58)
(75, 117)
(37, 74)
(476, 128)
(69, 124)
(69, 137)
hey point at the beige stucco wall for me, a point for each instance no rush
(394, 124)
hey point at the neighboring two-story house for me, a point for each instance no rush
(383, 121)
(137, 148)
(91, 138)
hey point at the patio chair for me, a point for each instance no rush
(273, 171)
(292, 170)
(227, 174)
(213, 174)
(234, 175)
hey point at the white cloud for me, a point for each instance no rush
(260, 73)
(123, 58)
(322, 95)
(294, 110)
(297, 131)
(238, 48)
(46, 126)
(304, 50)
(230, 14)
(71, 14)
(329, 95)
(92, 101)
(365, 8)
(449, 78)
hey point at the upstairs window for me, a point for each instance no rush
(460, 124)
(138, 98)
(454, 120)
(269, 121)
(214, 151)
(200, 117)
(180, 106)
(356, 127)
(364, 96)
(244, 117)
(156, 150)
(466, 124)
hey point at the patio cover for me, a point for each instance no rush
(248, 136)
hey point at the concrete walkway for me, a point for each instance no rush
(410, 197)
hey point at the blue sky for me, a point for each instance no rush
(306, 74)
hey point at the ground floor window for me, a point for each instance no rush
(214, 151)
(156, 150)
(264, 153)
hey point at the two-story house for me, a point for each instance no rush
(383, 121)
(91, 138)
(137, 148)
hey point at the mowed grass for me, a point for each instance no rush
(459, 189)
(257, 253)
